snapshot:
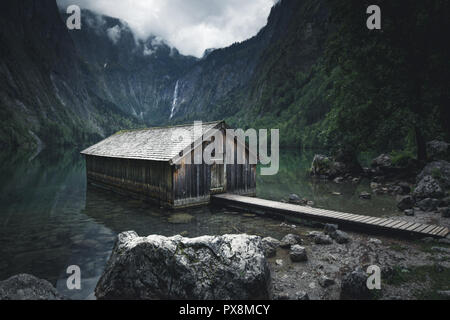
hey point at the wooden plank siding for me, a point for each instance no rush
(149, 180)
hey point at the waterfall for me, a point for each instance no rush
(175, 100)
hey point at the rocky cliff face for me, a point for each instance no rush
(63, 87)
(46, 93)
(138, 76)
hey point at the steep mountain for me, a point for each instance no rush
(138, 76)
(45, 93)
(268, 81)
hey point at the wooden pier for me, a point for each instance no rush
(341, 218)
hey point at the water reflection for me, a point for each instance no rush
(293, 177)
(50, 219)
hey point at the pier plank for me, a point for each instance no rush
(294, 210)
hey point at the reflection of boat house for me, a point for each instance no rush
(157, 164)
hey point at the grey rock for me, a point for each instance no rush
(428, 204)
(409, 212)
(405, 202)
(375, 241)
(320, 238)
(445, 212)
(338, 180)
(441, 250)
(281, 296)
(290, 240)
(405, 187)
(365, 195)
(330, 228)
(428, 187)
(27, 287)
(298, 254)
(340, 237)
(354, 286)
(208, 267)
(295, 199)
(444, 293)
(438, 170)
(325, 281)
(270, 246)
(301, 295)
(382, 161)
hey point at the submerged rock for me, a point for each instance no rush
(27, 287)
(208, 267)
(180, 218)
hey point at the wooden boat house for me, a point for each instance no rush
(158, 165)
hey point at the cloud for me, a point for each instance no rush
(114, 33)
(191, 26)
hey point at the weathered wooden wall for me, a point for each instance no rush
(191, 183)
(149, 180)
(241, 178)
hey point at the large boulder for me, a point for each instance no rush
(27, 287)
(208, 267)
(428, 187)
(438, 150)
(439, 170)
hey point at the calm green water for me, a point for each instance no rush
(50, 220)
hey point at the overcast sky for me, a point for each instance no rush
(189, 25)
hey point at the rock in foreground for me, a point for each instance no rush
(27, 287)
(156, 267)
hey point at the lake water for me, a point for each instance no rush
(50, 219)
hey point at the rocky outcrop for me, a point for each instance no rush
(27, 287)
(208, 267)
(428, 187)
(439, 170)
